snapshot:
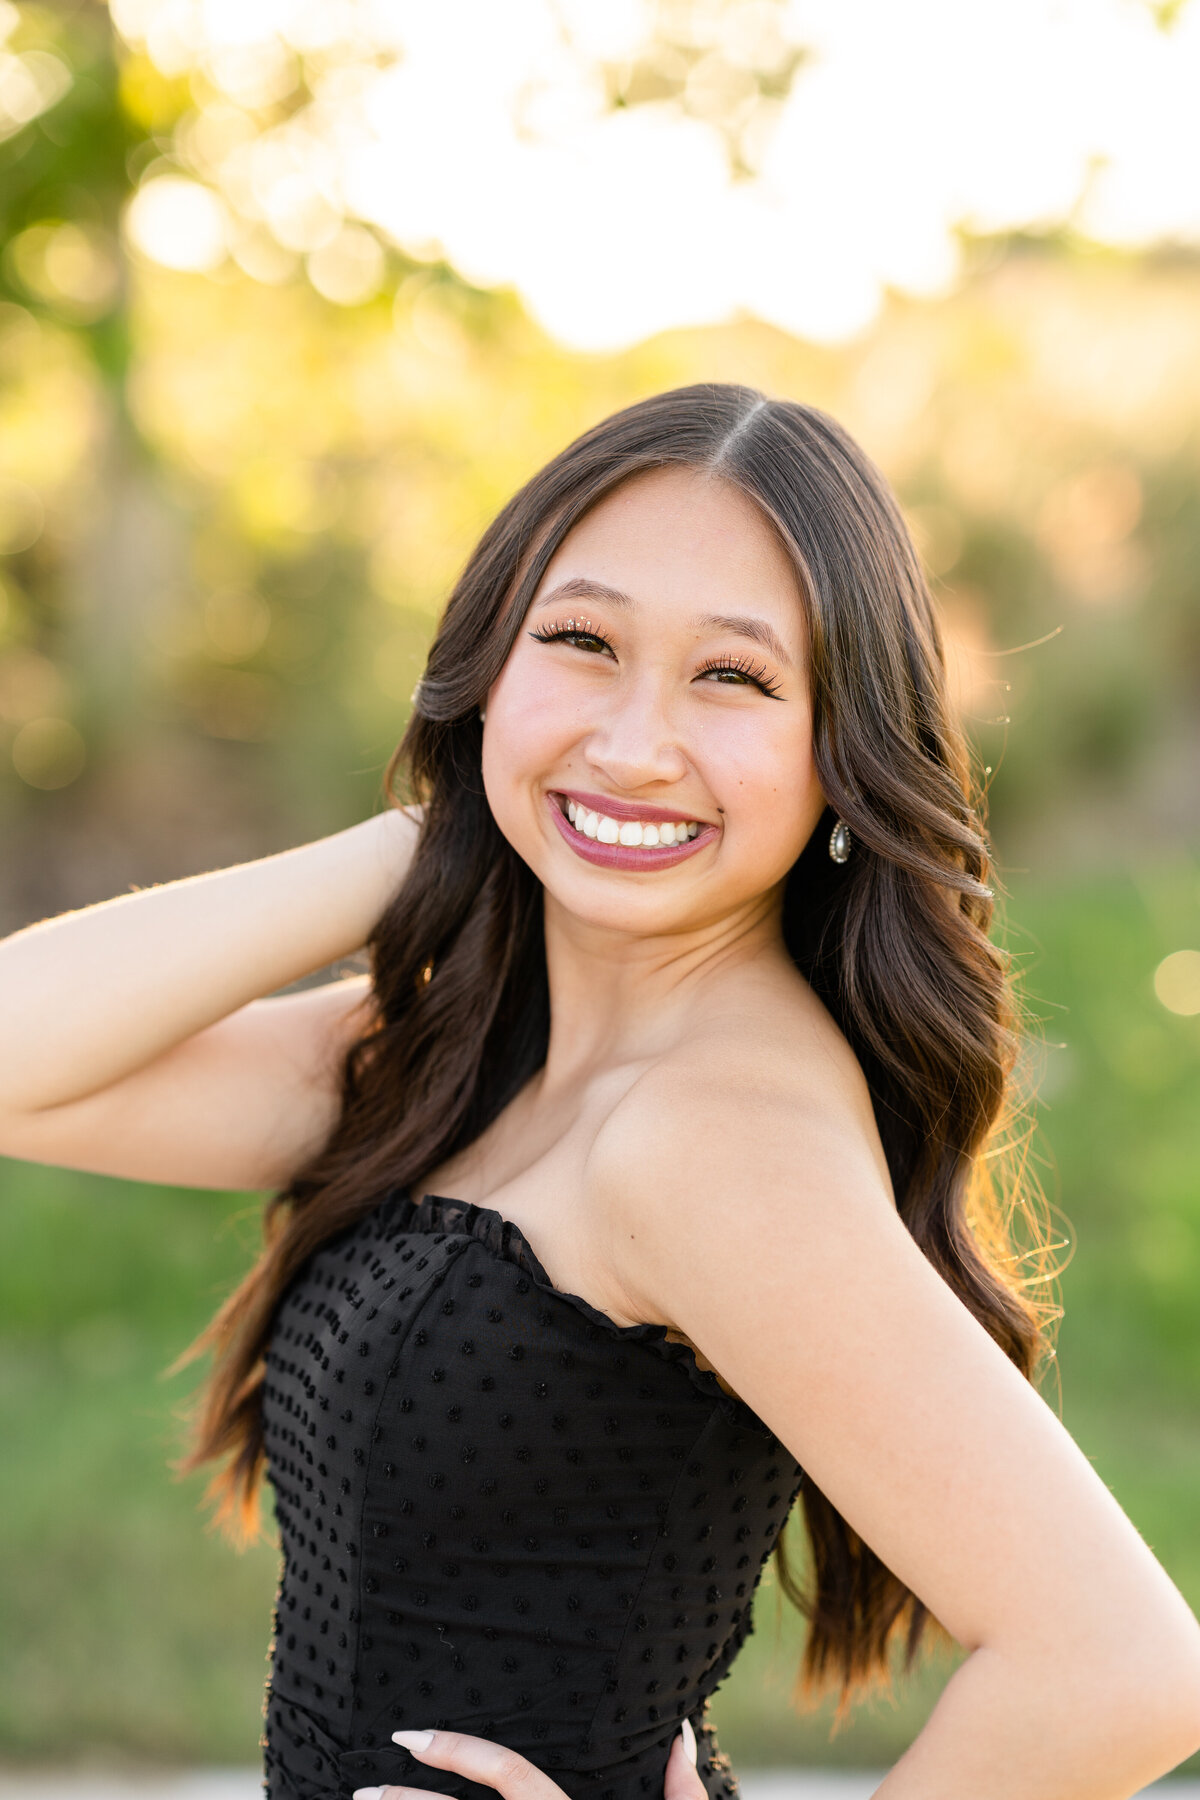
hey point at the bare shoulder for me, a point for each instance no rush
(774, 1093)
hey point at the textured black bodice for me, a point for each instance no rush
(500, 1513)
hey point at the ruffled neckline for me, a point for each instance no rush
(506, 1240)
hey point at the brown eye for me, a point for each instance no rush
(588, 641)
(734, 672)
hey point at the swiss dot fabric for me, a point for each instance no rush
(500, 1513)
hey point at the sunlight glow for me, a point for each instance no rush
(178, 223)
(488, 135)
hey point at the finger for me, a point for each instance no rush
(682, 1779)
(396, 1793)
(495, 1765)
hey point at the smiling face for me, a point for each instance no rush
(658, 691)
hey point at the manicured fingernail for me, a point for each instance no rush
(689, 1739)
(416, 1741)
(368, 1794)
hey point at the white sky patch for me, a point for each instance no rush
(490, 143)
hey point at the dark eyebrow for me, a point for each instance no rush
(757, 630)
(584, 587)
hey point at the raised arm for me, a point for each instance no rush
(753, 1218)
(135, 1038)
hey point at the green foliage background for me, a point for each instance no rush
(229, 513)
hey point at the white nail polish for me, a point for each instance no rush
(368, 1794)
(689, 1739)
(416, 1741)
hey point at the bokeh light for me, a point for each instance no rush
(1177, 981)
(30, 84)
(680, 163)
(350, 268)
(179, 223)
(49, 753)
(67, 265)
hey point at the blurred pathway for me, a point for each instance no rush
(240, 1784)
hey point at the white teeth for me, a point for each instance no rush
(630, 832)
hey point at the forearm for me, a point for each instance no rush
(88, 997)
(1006, 1730)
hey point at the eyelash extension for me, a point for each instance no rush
(738, 665)
(554, 634)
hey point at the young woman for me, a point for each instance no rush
(645, 1186)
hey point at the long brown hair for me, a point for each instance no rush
(895, 943)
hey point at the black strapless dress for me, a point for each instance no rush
(500, 1513)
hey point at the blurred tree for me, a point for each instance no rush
(67, 159)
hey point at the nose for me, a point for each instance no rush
(635, 742)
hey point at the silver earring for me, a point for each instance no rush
(839, 842)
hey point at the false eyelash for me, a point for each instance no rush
(739, 665)
(554, 634)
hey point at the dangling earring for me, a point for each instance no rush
(839, 842)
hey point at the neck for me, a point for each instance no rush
(616, 999)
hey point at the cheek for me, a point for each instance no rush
(530, 722)
(761, 771)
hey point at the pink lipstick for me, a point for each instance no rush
(637, 857)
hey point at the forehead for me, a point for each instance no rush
(680, 535)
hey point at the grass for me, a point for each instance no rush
(133, 1631)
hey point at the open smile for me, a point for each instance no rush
(627, 837)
